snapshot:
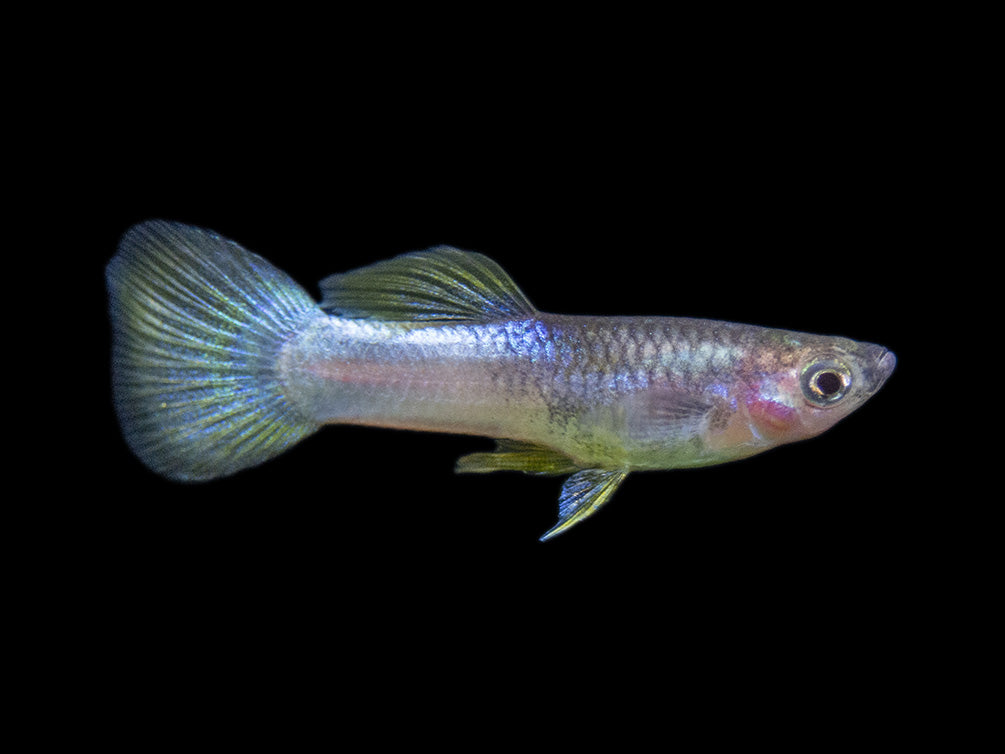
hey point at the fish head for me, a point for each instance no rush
(813, 383)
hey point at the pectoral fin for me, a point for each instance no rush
(582, 495)
(665, 414)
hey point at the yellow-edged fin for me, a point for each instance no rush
(438, 284)
(511, 455)
(582, 495)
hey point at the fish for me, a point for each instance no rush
(221, 361)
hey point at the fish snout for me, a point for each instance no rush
(883, 362)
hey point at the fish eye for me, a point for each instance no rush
(825, 382)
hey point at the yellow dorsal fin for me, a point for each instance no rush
(438, 284)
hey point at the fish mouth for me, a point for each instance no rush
(884, 365)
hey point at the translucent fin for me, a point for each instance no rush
(438, 284)
(582, 495)
(669, 415)
(197, 323)
(511, 455)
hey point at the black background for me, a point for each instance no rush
(794, 228)
(724, 218)
(721, 235)
(777, 194)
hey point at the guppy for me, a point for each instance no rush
(221, 361)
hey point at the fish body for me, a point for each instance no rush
(221, 361)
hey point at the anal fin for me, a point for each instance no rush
(582, 495)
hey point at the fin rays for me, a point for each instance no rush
(511, 455)
(197, 324)
(582, 495)
(439, 284)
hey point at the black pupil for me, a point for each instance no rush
(829, 383)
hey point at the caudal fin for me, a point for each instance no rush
(197, 324)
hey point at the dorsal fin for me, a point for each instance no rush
(442, 283)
